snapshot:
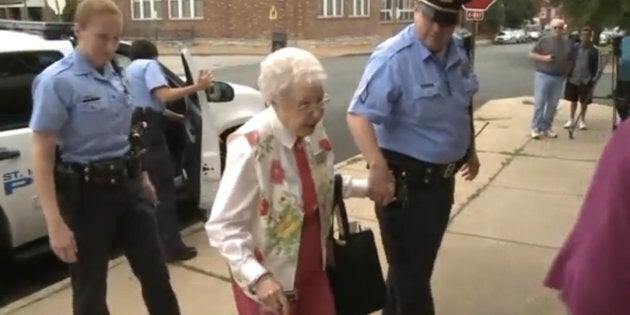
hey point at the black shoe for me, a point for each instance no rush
(183, 254)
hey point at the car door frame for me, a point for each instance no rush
(210, 154)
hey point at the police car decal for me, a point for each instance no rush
(15, 180)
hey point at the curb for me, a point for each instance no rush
(61, 285)
(47, 292)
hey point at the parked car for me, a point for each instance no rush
(521, 36)
(505, 37)
(533, 35)
(574, 36)
(197, 146)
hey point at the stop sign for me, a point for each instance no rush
(478, 4)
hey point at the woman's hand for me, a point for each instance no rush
(205, 79)
(270, 293)
(62, 241)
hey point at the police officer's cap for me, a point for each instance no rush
(442, 11)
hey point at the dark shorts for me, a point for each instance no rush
(582, 93)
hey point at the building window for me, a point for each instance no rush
(332, 8)
(404, 10)
(360, 7)
(146, 9)
(185, 9)
(387, 10)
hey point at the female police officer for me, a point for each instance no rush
(150, 91)
(95, 194)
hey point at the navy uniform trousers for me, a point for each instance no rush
(157, 161)
(412, 228)
(105, 217)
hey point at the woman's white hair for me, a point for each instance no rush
(286, 67)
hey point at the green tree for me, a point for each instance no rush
(494, 18)
(598, 13)
(517, 11)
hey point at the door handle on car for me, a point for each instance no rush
(9, 154)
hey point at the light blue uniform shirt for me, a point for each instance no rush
(144, 75)
(89, 111)
(417, 102)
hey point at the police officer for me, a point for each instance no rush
(94, 194)
(411, 119)
(149, 92)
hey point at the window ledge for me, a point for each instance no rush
(186, 19)
(146, 19)
(330, 17)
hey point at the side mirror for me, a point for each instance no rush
(220, 92)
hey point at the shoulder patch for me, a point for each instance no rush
(363, 95)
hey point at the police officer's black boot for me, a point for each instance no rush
(183, 254)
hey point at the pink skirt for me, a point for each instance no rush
(314, 296)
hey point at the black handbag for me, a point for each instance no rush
(356, 279)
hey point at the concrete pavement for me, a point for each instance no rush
(505, 227)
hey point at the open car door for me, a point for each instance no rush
(210, 159)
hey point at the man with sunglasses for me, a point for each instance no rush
(553, 58)
(411, 118)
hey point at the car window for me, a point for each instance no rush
(123, 61)
(17, 71)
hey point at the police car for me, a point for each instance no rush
(197, 146)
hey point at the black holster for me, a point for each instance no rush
(138, 126)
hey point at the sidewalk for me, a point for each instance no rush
(506, 227)
(333, 47)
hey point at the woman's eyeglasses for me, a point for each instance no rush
(312, 107)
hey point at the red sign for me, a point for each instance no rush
(478, 4)
(474, 15)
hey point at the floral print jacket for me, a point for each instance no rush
(256, 219)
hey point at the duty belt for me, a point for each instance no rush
(426, 170)
(415, 173)
(106, 172)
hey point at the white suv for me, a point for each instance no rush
(197, 146)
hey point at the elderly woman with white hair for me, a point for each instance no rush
(272, 216)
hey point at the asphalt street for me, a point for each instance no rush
(504, 71)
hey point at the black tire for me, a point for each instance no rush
(5, 238)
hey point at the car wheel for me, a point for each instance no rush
(5, 238)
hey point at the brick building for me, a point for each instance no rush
(185, 19)
(301, 19)
(35, 10)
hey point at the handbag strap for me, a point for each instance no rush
(340, 206)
